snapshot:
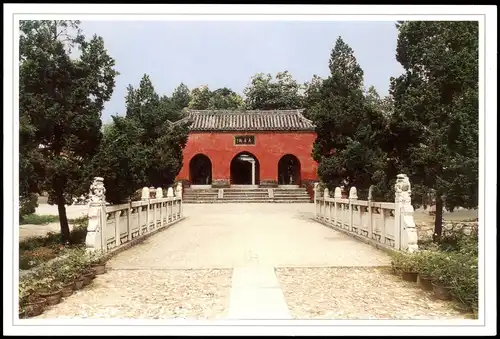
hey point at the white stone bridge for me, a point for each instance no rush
(243, 261)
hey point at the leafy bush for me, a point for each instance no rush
(28, 205)
(65, 271)
(464, 286)
(31, 258)
(452, 262)
(97, 257)
(405, 262)
(36, 250)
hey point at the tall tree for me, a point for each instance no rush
(181, 97)
(436, 110)
(122, 159)
(312, 92)
(348, 129)
(265, 93)
(200, 98)
(224, 98)
(143, 148)
(61, 98)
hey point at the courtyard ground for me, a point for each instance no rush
(251, 261)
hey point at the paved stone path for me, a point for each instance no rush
(250, 261)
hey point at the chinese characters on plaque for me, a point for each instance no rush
(244, 140)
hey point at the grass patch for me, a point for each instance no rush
(35, 219)
(37, 250)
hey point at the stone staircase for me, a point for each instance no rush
(290, 195)
(246, 195)
(201, 196)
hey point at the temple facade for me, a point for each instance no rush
(248, 148)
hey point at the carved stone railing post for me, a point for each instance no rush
(159, 195)
(406, 231)
(178, 194)
(95, 239)
(145, 193)
(145, 197)
(370, 215)
(353, 196)
(326, 195)
(316, 197)
(170, 203)
(337, 194)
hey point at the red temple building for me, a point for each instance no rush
(248, 149)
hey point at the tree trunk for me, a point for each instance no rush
(438, 223)
(63, 220)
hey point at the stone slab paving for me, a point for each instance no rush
(149, 294)
(256, 294)
(221, 260)
(351, 293)
(236, 235)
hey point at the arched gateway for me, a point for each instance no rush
(289, 170)
(244, 169)
(200, 170)
(225, 147)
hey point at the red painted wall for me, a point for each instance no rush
(268, 149)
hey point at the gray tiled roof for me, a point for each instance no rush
(269, 120)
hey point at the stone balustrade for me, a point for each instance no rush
(388, 224)
(111, 226)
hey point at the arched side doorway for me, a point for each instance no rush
(200, 170)
(289, 170)
(245, 169)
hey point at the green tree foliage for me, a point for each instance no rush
(180, 98)
(266, 93)
(200, 98)
(436, 110)
(224, 98)
(348, 129)
(121, 160)
(61, 100)
(312, 92)
(144, 148)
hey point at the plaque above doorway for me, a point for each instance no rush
(244, 140)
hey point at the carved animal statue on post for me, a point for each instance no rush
(409, 236)
(97, 190)
(97, 208)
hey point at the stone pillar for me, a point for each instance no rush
(337, 214)
(253, 171)
(178, 190)
(145, 193)
(353, 196)
(370, 215)
(326, 195)
(170, 192)
(405, 229)
(95, 239)
(178, 194)
(316, 196)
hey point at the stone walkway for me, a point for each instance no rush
(257, 261)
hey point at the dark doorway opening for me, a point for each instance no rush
(200, 170)
(289, 170)
(241, 169)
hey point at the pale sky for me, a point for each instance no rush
(228, 54)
